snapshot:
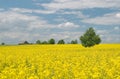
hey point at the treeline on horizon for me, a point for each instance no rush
(88, 39)
(50, 41)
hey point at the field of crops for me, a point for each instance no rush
(60, 62)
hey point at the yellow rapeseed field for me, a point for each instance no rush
(60, 62)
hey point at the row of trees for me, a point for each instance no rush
(88, 39)
(50, 41)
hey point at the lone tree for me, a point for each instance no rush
(44, 42)
(74, 42)
(51, 41)
(61, 41)
(38, 42)
(26, 42)
(2, 43)
(90, 38)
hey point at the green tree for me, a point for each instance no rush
(74, 42)
(2, 43)
(44, 42)
(38, 42)
(90, 38)
(26, 42)
(51, 41)
(61, 41)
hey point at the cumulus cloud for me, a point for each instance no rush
(81, 4)
(118, 15)
(28, 24)
(67, 25)
(117, 28)
(24, 10)
(109, 35)
(107, 19)
(79, 14)
(18, 26)
(111, 38)
(66, 35)
(102, 32)
(12, 20)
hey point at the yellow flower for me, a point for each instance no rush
(46, 72)
(60, 61)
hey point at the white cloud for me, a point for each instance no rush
(107, 19)
(17, 21)
(14, 35)
(67, 25)
(117, 28)
(111, 38)
(60, 19)
(62, 0)
(79, 14)
(109, 35)
(17, 26)
(118, 15)
(44, 11)
(66, 35)
(103, 32)
(24, 10)
(13, 20)
(81, 4)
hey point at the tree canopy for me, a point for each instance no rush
(38, 42)
(61, 41)
(89, 38)
(74, 42)
(51, 41)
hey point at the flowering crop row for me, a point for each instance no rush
(60, 62)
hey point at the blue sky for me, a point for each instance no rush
(31, 20)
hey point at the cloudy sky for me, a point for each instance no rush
(60, 19)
